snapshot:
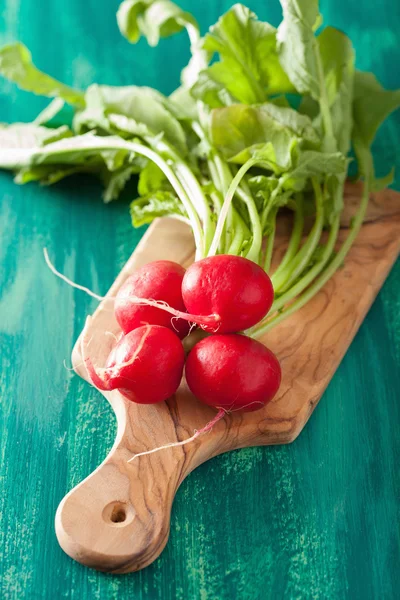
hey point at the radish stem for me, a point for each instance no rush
(296, 266)
(295, 238)
(270, 243)
(332, 267)
(226, 205)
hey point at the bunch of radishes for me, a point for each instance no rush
(222, 294)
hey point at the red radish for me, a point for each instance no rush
(232, 292)
(160, 280)
(233, 372)
(146, 365)
(222, 294)
(230, 372)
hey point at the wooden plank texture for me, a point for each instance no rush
(316, 519)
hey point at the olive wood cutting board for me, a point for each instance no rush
(117, 519)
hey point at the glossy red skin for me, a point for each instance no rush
(158, 280)
(233, 372)
(233, 287)
(156, 373)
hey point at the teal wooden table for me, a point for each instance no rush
(316, 519)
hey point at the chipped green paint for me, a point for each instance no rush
(317, 519)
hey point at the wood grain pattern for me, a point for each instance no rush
(118, 518)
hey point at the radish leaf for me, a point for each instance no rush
(16, 65)
(153, 19)
(130, 110)
(157, 204)
(249, 68)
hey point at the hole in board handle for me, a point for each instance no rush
(118, 514)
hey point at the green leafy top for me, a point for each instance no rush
(264, 119)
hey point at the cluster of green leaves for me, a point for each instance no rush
(264, 120)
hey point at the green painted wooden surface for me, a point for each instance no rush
(317, 519)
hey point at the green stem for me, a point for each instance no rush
(295, 238)
(225, 178)
(309, 277)
(237, 241)
(332, 267)
(223, 173)
(179, 189)
(193, 190)
(270, 243)
(217, 202)
(297, 265)
(182, 192)
(256, 244)
(227, 203)
(270, 204)
(214, 175)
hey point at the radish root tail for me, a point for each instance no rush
(211, 321)
(220, 415)
(67, 280)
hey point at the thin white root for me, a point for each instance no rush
(202, 320)
(111, 334)
(172, 445)
(135, 355)
(64, 278)
(221, 413)
(247, 405)
(192, 327)
(72, 368)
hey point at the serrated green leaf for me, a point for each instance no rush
(82, 151)
(16, 65)
(182, 104)
(249, 68)
(381, 183)
(337, 58)
(151, 179)
(130, 110)
(314, 164)
(29, 135)
(114, 182)
(154, 19)
(372, 105)
(297, 45)
(157, 204)
(240, 131)
(211, 91)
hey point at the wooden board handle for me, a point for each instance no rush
(117, 519)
